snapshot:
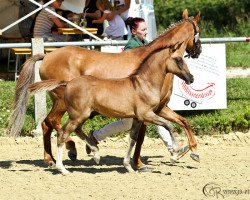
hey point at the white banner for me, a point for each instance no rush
(209, 88)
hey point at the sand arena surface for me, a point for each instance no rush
(225, 162)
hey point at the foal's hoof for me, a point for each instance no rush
(129, 168)
(195, 157)
(65, 172)
(96, 157)
(88, 150)
(143, 168)
(72, 154)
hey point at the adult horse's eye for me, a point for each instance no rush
(179, 62)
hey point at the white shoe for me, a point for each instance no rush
(176, 155)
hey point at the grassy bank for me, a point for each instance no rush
(235, 118)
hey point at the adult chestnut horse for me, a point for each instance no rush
(69, 62)
(138, 96)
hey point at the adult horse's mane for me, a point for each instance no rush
(166, 44)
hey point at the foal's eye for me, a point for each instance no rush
(179, 61)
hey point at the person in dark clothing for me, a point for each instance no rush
(91, 13)
(26, 26)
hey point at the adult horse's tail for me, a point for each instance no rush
(26, 77)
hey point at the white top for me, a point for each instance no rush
(116, 26)
(44, 23)
(133, 11)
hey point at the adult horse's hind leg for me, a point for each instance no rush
(48, 157)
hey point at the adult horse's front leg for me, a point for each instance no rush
(170, 115)
(132, 140)
(137, 158)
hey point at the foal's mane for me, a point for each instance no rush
(162, 42)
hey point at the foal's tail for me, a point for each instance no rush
(46, 85)
(26, 77)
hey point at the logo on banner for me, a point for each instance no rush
(195, 95)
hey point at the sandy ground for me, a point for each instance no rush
(224, 171)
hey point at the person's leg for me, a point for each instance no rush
(108, 130)
(115, 127)
(171, 143)
(166, 137)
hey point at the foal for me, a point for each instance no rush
(137, 96)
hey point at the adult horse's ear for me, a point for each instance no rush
(197, 18)
(185, 14)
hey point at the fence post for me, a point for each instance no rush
(39, 98)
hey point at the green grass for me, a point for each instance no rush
(237, 54)
(235, 118)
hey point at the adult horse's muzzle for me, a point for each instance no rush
(195, 51)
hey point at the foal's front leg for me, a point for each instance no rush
(170, 115)
(132, 140)
(91, 145)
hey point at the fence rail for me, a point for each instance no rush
(116, 42)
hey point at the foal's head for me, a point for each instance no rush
(194, 45)
(177, 65)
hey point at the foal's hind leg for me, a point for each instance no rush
(52, 121)
(132, 140)
(62, 136)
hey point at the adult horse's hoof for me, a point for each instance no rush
(52, 164)
(195, 157)
(72, 154)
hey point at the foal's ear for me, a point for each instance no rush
(197, 18)
(185, 14)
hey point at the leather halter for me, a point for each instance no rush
(196, 33)
(196, 50)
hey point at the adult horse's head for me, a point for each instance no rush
(194, 45)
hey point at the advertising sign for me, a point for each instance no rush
(208, 91)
